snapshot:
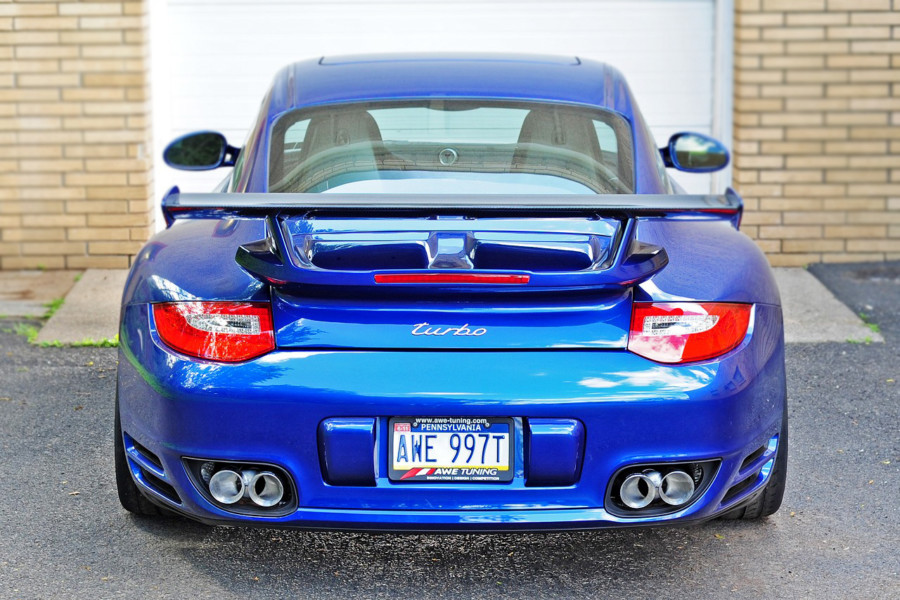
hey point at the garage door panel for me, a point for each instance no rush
(222, 54)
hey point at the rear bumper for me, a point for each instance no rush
(633, 411)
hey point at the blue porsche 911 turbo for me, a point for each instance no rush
(450, 293)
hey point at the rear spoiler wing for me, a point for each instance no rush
(176, 204)
(274, 261)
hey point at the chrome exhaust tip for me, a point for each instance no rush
(676, 488)
(266, 489)
(639, 489)
(226, 486)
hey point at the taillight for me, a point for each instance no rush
(678, 332)
(221, 331)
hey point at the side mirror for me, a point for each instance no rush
(695, 153)
(200, 151)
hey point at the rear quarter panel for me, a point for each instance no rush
(709, 260)
(194, 260)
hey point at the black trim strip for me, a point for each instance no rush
(255, 204)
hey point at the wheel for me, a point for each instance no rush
(129, 495)
(768, 501)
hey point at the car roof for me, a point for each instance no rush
(514, 77)
(340, 79)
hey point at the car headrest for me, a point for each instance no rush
(339, 129)
(560, 128)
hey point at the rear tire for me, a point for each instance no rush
(768, 501)
(129, 495)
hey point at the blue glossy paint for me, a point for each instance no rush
(287, 261)
(289, 267)
(708, 260)
(346, 448)
(193, 260)
(349, 358)
(552, 320)
(633, 411)
(555, 452)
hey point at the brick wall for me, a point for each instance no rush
(817, 128)
(75, 169)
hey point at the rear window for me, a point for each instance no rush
(451, 146)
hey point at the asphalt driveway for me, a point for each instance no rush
(63, 534)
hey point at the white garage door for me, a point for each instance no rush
(213, 59)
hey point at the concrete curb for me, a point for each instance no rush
(26, 293)
(91, 309)
(812, 314)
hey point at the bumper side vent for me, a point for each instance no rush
(147, 469)
(752, 458)
(736, 490)
(147, 455)
(753, 474)
(162, 488)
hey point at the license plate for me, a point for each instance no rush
(435, 449)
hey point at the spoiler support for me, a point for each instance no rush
(274, 261)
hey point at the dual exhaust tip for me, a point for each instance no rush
(264, 488)
(638, 490)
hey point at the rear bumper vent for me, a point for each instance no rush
(147, 455)
(753, 474)
(738, 489)
(148, 470)
(752, 458)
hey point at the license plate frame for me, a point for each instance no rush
(460, 472)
